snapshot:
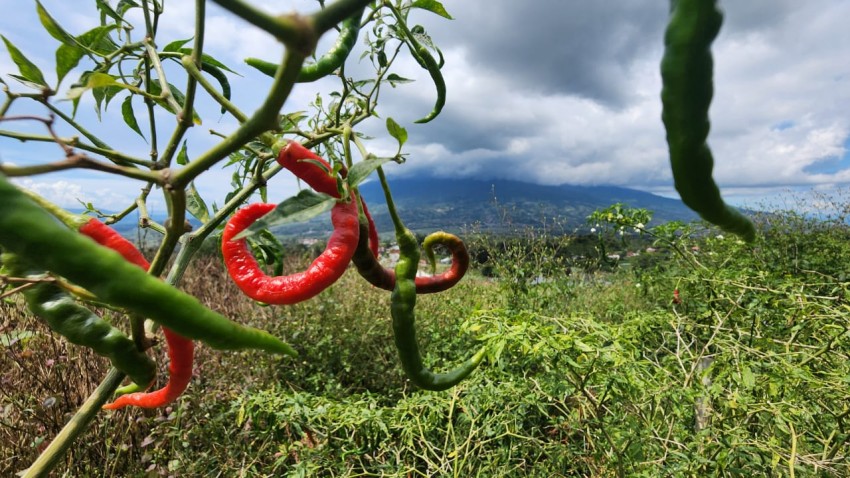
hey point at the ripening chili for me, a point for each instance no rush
(687, 88)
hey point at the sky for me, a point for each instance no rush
(545, 91)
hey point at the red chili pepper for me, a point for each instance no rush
(303, 164)
(324, 271)
(181, 350)
(316, 172)
(108, 237)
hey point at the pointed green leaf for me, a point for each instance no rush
(130, 116)
(176, 45)
(306, 205)
(53, 27)
(94, 80)
(209, 61)
(432, 6)
(183, 155)
(67, 58)
(107, 11)
(195, 204)
(125, 5)
(97, 40)
(397, 80)
(28, 70)
(360, 171)
(397, 131)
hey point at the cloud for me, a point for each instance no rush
(553, 91)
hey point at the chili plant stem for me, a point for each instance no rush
(78, 424)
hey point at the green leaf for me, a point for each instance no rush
(130, 116)
(183, 155)
(125, 5)
(396, 131)
(209, 61)
(397, 80)
(195, 204)
(28, 70)
(107, 11)
(93, 80)
(53, 27)
(306, 205)
(176, 45)
(67, 58)
(432, 6)
(360, 171)
(176, 94)
(97, 40)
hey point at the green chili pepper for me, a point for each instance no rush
(219, 75)
(327, 63)
(30, 232)
(686, 73)
(402, 306)
(80, 325)
(426, 60)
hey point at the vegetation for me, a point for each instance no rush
(592, 371)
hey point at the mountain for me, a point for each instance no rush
(495, 206)
(498, 206)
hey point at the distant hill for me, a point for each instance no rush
(497, 206)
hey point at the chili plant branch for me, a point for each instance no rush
(115, 156)
(264, 119)
(84, 162)
(185, 116)
(54, 452)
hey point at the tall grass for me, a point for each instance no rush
(596, 374)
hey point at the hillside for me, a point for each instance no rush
(506, 206)
(499, 206)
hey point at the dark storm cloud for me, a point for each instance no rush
(557, 46)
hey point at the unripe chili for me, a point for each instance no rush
(686, 73)
(30, 232)
(331, 61)
(80, 325)
(403, 303)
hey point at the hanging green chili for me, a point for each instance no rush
(422, 56)
(402, 309)
(322, 272)
(686, 73)
(37, 238)
(80, 325)
(331, 61)
(403, 303)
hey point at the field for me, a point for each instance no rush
(595, 368)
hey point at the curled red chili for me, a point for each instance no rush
(181, 350)
(324, 270)
(316, 172)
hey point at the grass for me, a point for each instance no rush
(594, 374)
